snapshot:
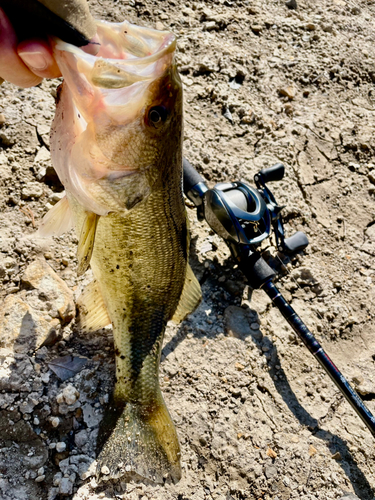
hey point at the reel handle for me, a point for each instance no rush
(274, 173)
(295, 243)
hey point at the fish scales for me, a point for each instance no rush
(141, 291)
(116, 145)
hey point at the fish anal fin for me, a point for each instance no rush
(86, 242)
(57, 220)
(190, 297)
(138, 439)
(93, 314)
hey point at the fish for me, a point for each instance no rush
(116, 145)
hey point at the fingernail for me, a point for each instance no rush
(35, 60)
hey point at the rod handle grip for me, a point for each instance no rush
(191, 176)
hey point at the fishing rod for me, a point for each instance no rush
(245, 216)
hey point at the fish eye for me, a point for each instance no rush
(157, 115)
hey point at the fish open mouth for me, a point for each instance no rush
(128, 54)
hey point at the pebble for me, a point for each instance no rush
(39, 479)
(32, 190)
(17, 320)
(371, 176)
(105, 470)
(159, 26)
(270, 471)
(289, 91)
(40, 276)
(236, 322)
(291, 4)
(43, 155)
(89, 416)
(228, 115)
(65, 487)
(81, 438)
(55, 421)
(60, 447)
(70, 394)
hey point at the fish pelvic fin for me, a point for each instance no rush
(93, 314)
(57, 220)
(86, 242)
(190, 297)
(139, 440)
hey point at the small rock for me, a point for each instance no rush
(159, 26)
(312, 451)
(39, 479)
(104, 470)
(81, 438)
(358, 379)
(89, 416)
(57, 478)
(236, 322)
(228, 115)
(21, 327)
(55, 421)
(210, 25)
(371, 176)
(70, 394)
(289, 91)
(271, 453)
(257, 28)
(291, 4)
(60, 447)
(65, 487)
(337, 456)
(43, 155)
(349, 496)
(32, 190)
(42, 277)
(270, 472)
(8, 266)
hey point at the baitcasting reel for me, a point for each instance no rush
(240, 214)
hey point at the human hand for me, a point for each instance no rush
(25, 64)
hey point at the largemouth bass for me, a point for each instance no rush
(116, 144)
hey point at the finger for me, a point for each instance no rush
(12, 68)
(37, 55)
(93, 46)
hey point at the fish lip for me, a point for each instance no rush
(168, 45)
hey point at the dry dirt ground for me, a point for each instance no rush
(256, 416)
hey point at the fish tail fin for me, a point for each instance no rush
(139, 439)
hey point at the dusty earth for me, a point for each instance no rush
(256, 416)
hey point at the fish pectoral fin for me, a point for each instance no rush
(86, 242)
(93, 314)
(57, 221)
(190, 297)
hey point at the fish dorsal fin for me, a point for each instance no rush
(57, 221)
(190, 297)
(93, 314)
(86, 242)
